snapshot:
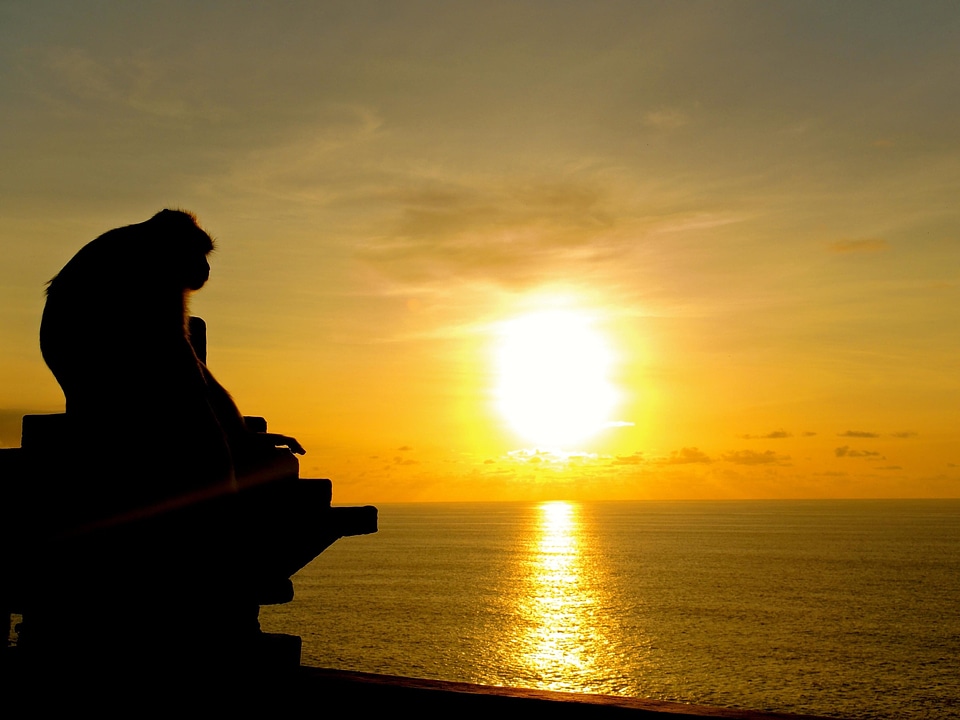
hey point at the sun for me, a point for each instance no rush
(553, 378)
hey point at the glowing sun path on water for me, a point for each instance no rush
(563, 648)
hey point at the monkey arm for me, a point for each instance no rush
(231, 420)
(223, 406)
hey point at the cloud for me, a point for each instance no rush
(511, 235)
(554, 458)
(890, 467)
(774, 435)
(846, 451)
(686, 456)
(404, 448)
(141, 82)
(695, 221)
(809, 434)
(848, 247)
(751, 457)
(904, 434)
(858, 434)
(634, 459)
(666, 118)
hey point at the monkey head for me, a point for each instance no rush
(141, 274)
(180, 249)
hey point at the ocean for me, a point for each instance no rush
(845, 608)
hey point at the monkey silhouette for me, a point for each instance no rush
(115, 335)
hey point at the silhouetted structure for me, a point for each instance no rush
(175, 585)
(147, 525)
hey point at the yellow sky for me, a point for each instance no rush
(755, 205)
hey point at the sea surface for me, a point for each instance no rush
(848, 609)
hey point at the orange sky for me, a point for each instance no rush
(753, 206)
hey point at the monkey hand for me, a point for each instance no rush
(277, 440)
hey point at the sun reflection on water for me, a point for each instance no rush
(563, 643)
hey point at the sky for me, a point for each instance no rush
(742, 217)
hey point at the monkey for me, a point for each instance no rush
(114, 333)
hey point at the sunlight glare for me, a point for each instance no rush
(553, 378)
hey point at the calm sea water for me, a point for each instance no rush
(841, 608)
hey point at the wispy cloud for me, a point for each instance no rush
(858, 434)
(773, 435)
(867, 245)
(142, 82)
(558, 458)
(751, 457)
(510, 235)
(634, 459)
(847, 451)
(666, 118)
(686, 456)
